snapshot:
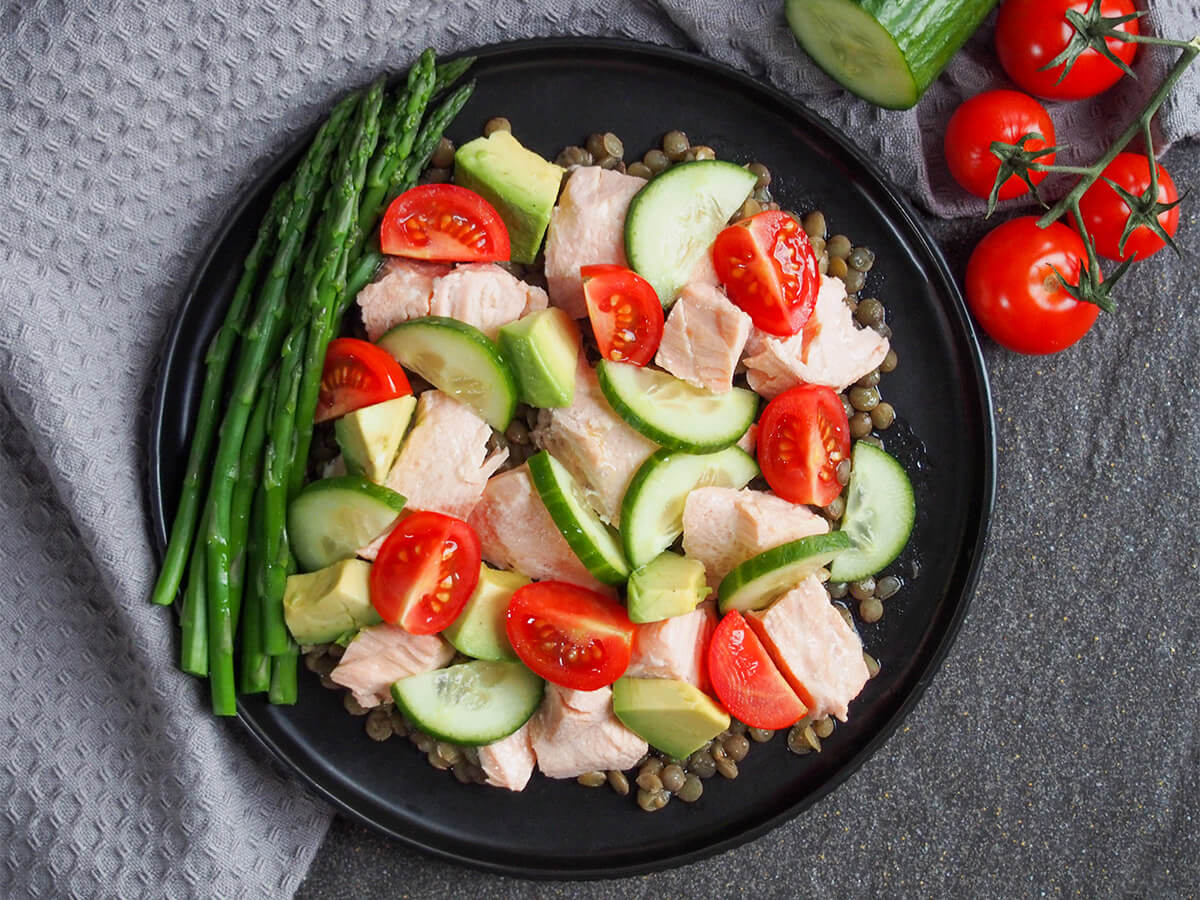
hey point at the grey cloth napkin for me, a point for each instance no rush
(128, 132)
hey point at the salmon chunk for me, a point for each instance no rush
(723, 527)
(703, 338)
(508, 763)
(587, 227)
(829, 350)
(516, 532)
(576, 731)
(597, 447)
(674, 648)
(484, 295)
(402, 291)
(444, 462)
(383, 654)
(817, 652)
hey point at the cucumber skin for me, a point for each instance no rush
(662, 438)
(882, 459)
(414, 716)
(927, 34)
(646, 471)
(756, 567)
(541, 473)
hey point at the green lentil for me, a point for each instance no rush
(497, 123)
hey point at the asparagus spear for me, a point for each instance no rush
(395, 144)
(216, 363)
(449, 72)
(255, 668)
(427, 139)
(283, 676)
(276, 471)
(259, 341)
(243, 493)
(363, 268)
(193, 620)
(325, 293)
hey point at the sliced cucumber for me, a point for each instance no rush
(886, 51)
(652, 511)
(674, 219)
(673, 413)
(459, 359)
(762, 579)
(880, 511)
(473, 703)
(332, 518)
(594, 543)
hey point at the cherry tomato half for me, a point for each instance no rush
(995, 116)
(769, 269)
(802, 436)
(1014, 294)
(625, 313)
(444, 222)
(1031, 33)
(1105, 213)
(570, 635)
(745, 679)
(357, 374)
(425, 572)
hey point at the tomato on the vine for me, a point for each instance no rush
(1031, 33)
(1014, 293)
(995, 116)
(1105, 214)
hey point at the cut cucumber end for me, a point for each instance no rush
(855, 50)
(762, 579)
(880, 513)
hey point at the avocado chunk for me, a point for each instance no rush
(669, 585)
(521, 185)
(669, 715)
(543, 349)
(370, 437)
(330, 603)
(479, 630)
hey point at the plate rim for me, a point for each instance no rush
(976, 538)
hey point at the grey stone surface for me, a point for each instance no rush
(1056, 752)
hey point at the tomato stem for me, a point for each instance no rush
(1092, 173)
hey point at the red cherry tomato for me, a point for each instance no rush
(746, 681)
(1105, 213)
(625, 313)
(357, 374)
(995, 116)
(1031, 33)
(443, 222)
(802, 436)
(569, 635)
(1014, 294)
(425, 572)
(769, 269)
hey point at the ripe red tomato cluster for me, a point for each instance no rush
(1011, 286)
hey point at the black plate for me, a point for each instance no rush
(555, 93)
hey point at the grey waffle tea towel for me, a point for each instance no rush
(128, 131)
